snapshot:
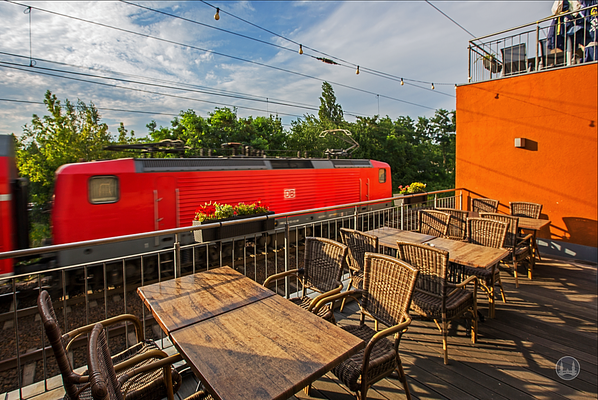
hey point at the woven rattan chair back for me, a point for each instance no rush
(484, 205)
(58, 343)
(458, 224)
(524, 209)
(358, 243)
(102, 377)
(435, 223)
(486, 232)
(323, 263)
(432, 265)
(387, 288)
(512, 227)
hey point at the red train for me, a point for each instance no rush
(100, 199)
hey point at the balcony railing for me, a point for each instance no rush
(85, 293)
(548, 43)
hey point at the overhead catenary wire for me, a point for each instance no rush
(265, 100)
(35, 71)
(302, 46)
(203, 89)
(452, 20)
(215, 53)
(98, 107)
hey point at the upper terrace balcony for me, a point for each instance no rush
(533, 47)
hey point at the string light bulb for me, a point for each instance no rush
(402, 83)
(300, 49)
(357, 72)
(217, 15)
(432, 86)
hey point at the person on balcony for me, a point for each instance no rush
(591, 23)
(564, 27)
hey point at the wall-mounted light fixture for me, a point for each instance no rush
(520, 143)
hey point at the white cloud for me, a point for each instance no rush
(406, 39)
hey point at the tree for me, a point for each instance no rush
(70, 133)
(330, 113)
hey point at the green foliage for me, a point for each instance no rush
(221, 126)
(330, 113)
(70, 133)
(39, 233)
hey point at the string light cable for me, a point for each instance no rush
(221, 54)
(35, 71)
(330, 57)
(215, 53)
(235, 96)
(98, 107)
(201, 89)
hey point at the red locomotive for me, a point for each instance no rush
(101, 199)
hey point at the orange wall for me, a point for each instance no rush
(556, 112)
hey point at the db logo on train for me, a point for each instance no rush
(289, 193)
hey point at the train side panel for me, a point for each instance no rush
(121, 197)
(7, 175)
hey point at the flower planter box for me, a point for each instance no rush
(421, 198)
(240, 229)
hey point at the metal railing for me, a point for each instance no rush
(86, 293)
(554, 41)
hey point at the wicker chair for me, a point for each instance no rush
(76, 385)
(520, 247)
(528, 210)
(388, 285)
(434, 296)
(484, 205)
(458, 225)
(435, 223)
(106, 385)
(321, 272)
(490, 233)
(358, 244)
(523, 209)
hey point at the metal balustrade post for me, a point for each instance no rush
(402, 215)
(537, 65)
(177, 256)
(286, 255)
(469, 62)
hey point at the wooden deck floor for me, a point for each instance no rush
(543, 320)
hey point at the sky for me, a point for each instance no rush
(139, 61)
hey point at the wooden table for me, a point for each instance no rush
(388, 237)
(469, 254)
(473, 256)
(461, 253)
(180, 302)
(263, 347)
(529, 224)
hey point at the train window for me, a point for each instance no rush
(103, 189)
(382, 175)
